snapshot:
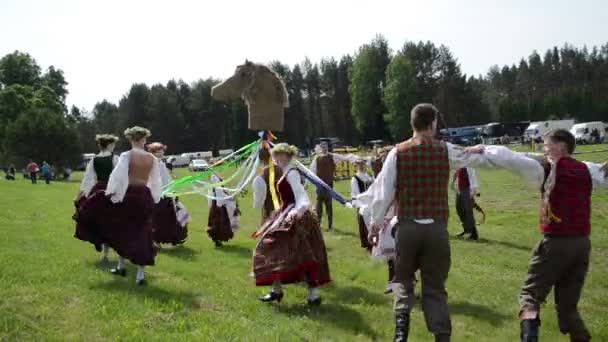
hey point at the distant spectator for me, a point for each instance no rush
(67, 174)
(32, 169)
(10, 173)
(46, 172)
(169, 165)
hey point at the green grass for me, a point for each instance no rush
(53, 288)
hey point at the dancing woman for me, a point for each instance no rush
(96, 179)
(124, 213)
(167, 227)
(224, 215)
(291, 247)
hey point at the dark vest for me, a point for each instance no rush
(268, 205)
(363, 186)
(423, 174)
(462, 177)
(568, 210)
(103, 167)
(326, 167)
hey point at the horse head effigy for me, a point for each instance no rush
(263, 92)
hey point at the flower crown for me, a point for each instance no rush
(137, 133)
(284, 148)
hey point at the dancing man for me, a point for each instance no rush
(291, 247)
(324, 166)
(561, 258)
(170, 216)
(466, 186)
(95, 179)
(416, 175)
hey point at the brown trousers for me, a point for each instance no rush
(425, 247)
(324, 199)
(560, 262)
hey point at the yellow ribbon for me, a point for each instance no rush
(271, 178)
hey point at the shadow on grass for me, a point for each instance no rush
(489, 242)
(479, 312)
(150, 291)
(181, 252)
(340, 316)
(359, 295)
(237, 250)
(505, 244)
(337, 231)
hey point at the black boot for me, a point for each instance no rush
(217, 243)
(272, 296)
(402, 327)
(529, 330)
(442, 338)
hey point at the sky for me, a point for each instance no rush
(105, 46)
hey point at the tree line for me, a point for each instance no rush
(356, 98)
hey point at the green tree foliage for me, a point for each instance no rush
(367, 88)
(19, 68)
(399, 96)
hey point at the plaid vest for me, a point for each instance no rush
(423, 174)
(566, 209)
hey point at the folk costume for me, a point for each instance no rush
(123, 216)
(358, 185)
(262, 198)
(466, 187)
(561, 258)
(291, 247)
(224, 214)
(96, 176)
(170, 215)
(324, 166)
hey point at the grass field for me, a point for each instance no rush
(52, 286)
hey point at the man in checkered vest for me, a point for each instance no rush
(416, 174)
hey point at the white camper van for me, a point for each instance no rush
(178, 161)
(538, 129)
(583, 132)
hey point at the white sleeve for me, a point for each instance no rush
(354, 187)
(114, 160)
(259, 192)
(119, 179)
(384, 188)
(89, 180)
(301, 197)
(155, 182)
(473, 183)
(313, 165)
(164, 173)
(598, 177)
(499, 157)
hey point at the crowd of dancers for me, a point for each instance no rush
(402, 214)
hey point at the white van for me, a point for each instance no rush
(583, 131)
(537, 130)
(178, 161)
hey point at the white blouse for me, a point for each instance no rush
(259, 192)
(301, 197)
(165, 176)
(119, 179)
(354, 185)
(473, 183)
(383, 190)
(224, 199)
(90, 177)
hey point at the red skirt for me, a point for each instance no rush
(86, 232)
(126, 227)
(167, 228)
(218, 224)
(292, 252)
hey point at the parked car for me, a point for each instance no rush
(198, 165)
(589, 132)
